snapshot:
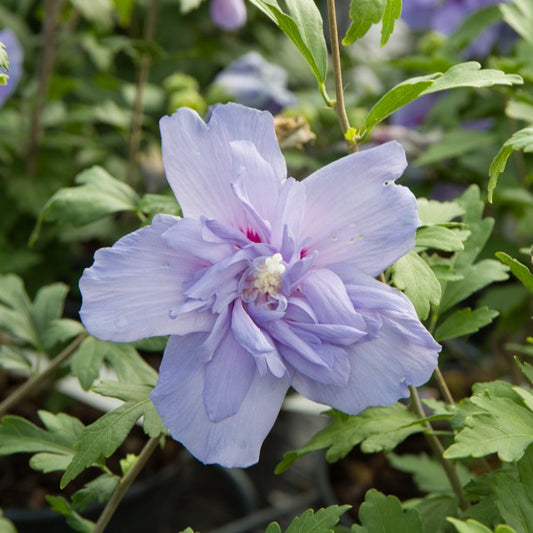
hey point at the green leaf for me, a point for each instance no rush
(4, 59)
(129, 366)
(502, 425)
(6, 526)
(129, 392)
(103, 437)
(189, 5)
(397, 97)
(273, 527)
(50, 462)
(73, 519)
(60, 330)
(364, 13)
(428, 473)
(86, 361)
(472, 26)
(393, 10)
(519, 15)
(152, 204)
(439, 238)
(385, 514)
(13, 358)
(434, 212)
(434, 509)
(519, 110)
(48, 306)
(303, 25)
(470, 74)
(98, 490)
(525, 368)
(414, 277)
(521, 271)
(98, 195)
(15, 310)
(454, 144)
(470, 526)
(475, 277)
(513, 497)
(376, 429)
(521, 140)
(464, 322)
(321, 521)
(99, 12)
(18, 435)
(124, 9)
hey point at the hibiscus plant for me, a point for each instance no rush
(325, 224)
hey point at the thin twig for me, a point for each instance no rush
(438, 451)
(124, 485)
(142, 77)
(338, 106)
(38, 379)
(443, 387)
(52, 10)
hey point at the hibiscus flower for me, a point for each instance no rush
(265, 283)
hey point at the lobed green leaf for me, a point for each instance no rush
(519, 15)
(321, 521)
(73, 519)
(433, 212)
(414, 277)
(502, 425)
(54, 445)
(520, 270)
(376, 429)
(98, 490)
(470, 74)
(302, 24)
(464, 322)
(521, 140)
(103, 437)
(397, 97)
(454, 144)
(386, 515)
(363, 13)
(98, 195)
(439, 238)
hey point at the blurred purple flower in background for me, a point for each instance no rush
(252, 81)
(445, 16)
(16, 56)
(228, 15)
(266, 282)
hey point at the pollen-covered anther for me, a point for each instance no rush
(267, 277)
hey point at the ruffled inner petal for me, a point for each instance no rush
(327, 295)
(255, 342)
(381, 369)
(228, 376)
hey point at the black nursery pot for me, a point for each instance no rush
(180, 494)
(348, 480)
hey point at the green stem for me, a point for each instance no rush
(124, 484)
(52, 10)
(142, 78)
(38, 379)
(338, 104)
(443, 387)
(438, 450)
